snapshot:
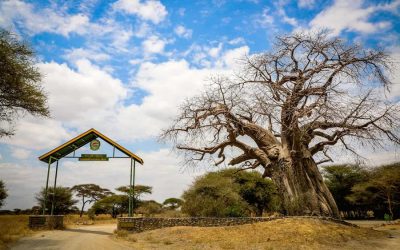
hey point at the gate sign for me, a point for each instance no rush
(95, 145)
(93, 157)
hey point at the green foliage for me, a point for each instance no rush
(340, 179)
(382, 187)
(173, 203)
(227, 193)
(138, 190)
(258, 192)
(3, 193)
(90, 193)
(19, 82)
(64, 203)
(359, 190)
(113, 204)
(149, 208)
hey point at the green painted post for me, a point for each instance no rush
(133, 182)
(47, 186)
(54, 190)
(130, 193)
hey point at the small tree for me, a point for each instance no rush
(173, 203)
(89, 193)
(19, 82)
(138, 191)
(3, 193)
(64, 203)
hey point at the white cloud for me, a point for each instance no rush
(20, 153)
(37, 133)
(90, 97)
(265, 19)
(45, 20)
(306, 3)
(237, 40)
(153, 45)
(215, 51)
(76, 54)
(151, 10)
(289, 20)
(181, 31)
(351, 16)
(395, 77)
(78, 97)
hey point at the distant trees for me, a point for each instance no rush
(148, 208)
(20, 90)
(115, 204)
(63, 197)
(340, 179)
(89, 193)
(173, 203)
(227, 193)
(359, 190)
(3, 193)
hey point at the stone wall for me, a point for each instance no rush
(46, 221)
(144, 224)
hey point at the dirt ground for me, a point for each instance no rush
(278, 234)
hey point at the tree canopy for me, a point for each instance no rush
(89, 193)
(64, 202)
(20, 89)
(226, 194)
(173, 203)
(284, 111)
(340, 180)
(381, 187)
(3, 193)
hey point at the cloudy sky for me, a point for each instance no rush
(123, 67)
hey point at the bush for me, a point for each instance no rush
(227, 193)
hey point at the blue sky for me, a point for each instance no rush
(123, 67)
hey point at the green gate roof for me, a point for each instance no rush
(81, 140)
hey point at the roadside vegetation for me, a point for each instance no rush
(13, 227)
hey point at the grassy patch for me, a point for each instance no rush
(289, 233)
(13, 227)
(74, 219)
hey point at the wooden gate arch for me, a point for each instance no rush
(65, 150)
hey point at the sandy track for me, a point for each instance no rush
(96, 237)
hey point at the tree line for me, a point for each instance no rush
(359, 192)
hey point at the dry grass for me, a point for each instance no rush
(74, 219)
(290, 233)
(13, 227)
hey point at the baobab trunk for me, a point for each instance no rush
(301, 186)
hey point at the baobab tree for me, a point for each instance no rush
(286, 109)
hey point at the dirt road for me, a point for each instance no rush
(96, 237)
(99, 237)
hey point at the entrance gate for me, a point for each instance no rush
(68, 148)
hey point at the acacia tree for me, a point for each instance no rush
(20, 90)
(89, 193)
(286, 109)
